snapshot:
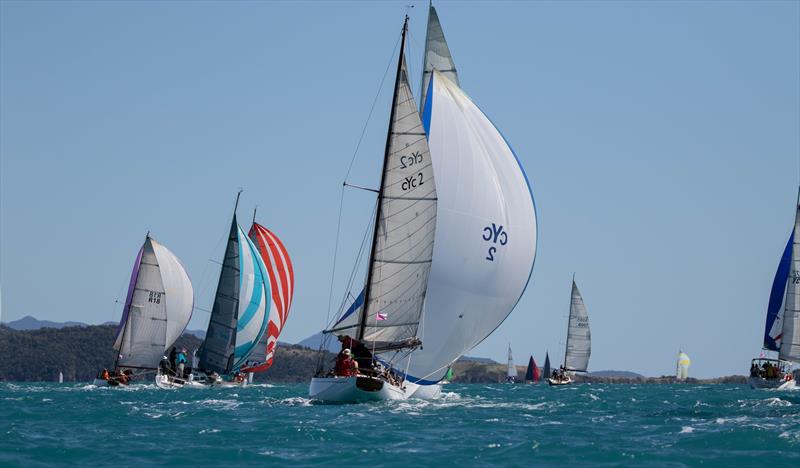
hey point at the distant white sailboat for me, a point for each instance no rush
(682, 366)
(782, 331)
(511, 369)
(579, 340)
(60, 377)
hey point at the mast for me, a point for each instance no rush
(363, 319)
(566, 348)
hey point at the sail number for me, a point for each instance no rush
(494, 234)
(796, 277)
(411, 182)
(408, 161)
(155, 297)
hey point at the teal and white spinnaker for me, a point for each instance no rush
(485, 240)
(241, 306)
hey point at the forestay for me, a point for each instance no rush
(485, 240)
(579, 338)
(157, 309)
(437, 54)
(790, 339)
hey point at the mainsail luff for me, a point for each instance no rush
(402, 244)
(578, 348)
(790, 336)
(437, 54)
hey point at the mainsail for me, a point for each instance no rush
(390, 307)
(682, 368)
(790, 335)
(546, 369)
(485, 240)
(579, 338)
(241, 306)
(158, 307)
(437, 55)
(281, 279)
(511, 369)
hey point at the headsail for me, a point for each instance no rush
(579, 338)
(790, 336)
(241, 306)
(437, 55)
(157, 309)
(682, 368)
(402, 246)
(485, 230)
(774, 325)
(281, 279)
(511, 369)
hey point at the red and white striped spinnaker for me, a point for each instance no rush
(281, 278)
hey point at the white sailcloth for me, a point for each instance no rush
(579, 337)
(158, 308)
(682, 371)
(790, 338)
(437, 54)
(512, 369)
(485, 240)
(404, 236)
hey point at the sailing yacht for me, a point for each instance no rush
(239, 318)
(452, 247)
(579, 340)
(157, 309)
(782, 330)
(682, 367)
(511, 369)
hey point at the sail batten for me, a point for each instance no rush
(579, 338)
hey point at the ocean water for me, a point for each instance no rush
(470, 425)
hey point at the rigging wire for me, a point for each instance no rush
(341, 195)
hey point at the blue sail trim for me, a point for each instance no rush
(353, 307)
(427, 108)
(776, 294)
(259, 286)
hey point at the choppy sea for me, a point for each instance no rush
(470, 425)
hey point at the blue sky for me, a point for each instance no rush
(662, 140)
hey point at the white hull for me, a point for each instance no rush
(557, 383)
(168, 382)
(355, 390)
(778, 384)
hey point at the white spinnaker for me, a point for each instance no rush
(437, 54)
(485, 240)
(579, 337)
(178, 290)
(143, 338)
(511, 369)
(790, 339)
